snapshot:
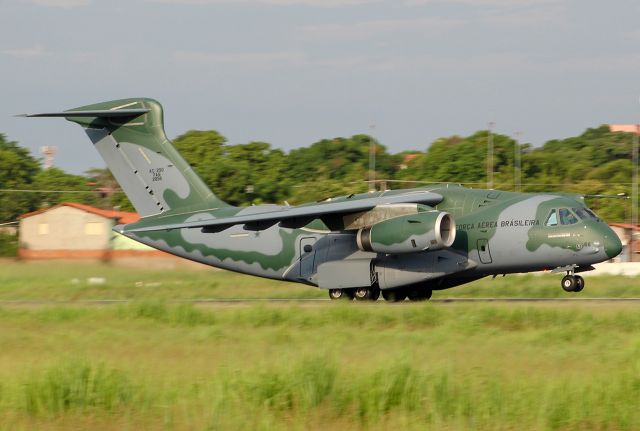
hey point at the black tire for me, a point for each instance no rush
(418, 294)
(394, 295)
(579, 283)
(362, 293)
(375, 293)
(569, 283)
(338, 294)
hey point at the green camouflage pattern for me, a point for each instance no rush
(500, 232)
(144, 148)
(496, 232)
(407, 234)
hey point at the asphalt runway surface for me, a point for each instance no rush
(310, 300)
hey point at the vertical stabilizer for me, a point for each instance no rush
(129, 135)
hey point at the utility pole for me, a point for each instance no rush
(372, 160)
(517, 172)
(634, 189)
(490, 155)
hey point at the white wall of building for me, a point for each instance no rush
(65, 228)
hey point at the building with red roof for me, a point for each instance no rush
(72, 230)
(629, 235)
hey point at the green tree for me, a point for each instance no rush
(17, 170)
(252, 173)
(239, 174)
(110, 195)
(67, 187)
(203, 150)
(340, 159)
(462, 160)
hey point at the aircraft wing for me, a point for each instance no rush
(292, 216)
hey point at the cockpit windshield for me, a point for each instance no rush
(585, 213)
(567, 217)
(564, 216)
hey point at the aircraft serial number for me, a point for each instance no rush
(156, 174)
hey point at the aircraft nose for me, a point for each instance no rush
(612, 244)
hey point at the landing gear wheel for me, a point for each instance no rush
(336, 294)
(394, 295)
(375, 293)
(362, 294)
(579, 283)
(366, 293)
(419, 294)
(569, 283)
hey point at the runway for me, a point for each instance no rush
(197, 301)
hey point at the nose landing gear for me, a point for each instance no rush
(572, 283)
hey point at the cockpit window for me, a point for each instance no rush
(581, 213)
(592, 214)
(552, 219)
(567, 217)
(585, 213)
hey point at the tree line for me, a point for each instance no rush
(596, 162)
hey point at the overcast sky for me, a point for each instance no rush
(291, 72)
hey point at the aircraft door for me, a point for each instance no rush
(307, 256)
(483, 251)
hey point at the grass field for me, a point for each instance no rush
(69, 281)
(158, 364)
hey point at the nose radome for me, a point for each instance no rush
(612, 244)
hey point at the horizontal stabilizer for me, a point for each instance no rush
(102, 113)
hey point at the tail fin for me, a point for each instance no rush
(129, 135)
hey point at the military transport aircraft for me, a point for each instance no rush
(398, 243)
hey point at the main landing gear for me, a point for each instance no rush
(572, 283)
(344, 294)
(373, 293)
(359, 294)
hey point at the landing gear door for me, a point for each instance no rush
(483, 251)
(307, 256)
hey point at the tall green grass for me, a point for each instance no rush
(316, 387)
(75, 384)
(156, 364)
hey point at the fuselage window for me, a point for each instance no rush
(567, 217)
(552, 219)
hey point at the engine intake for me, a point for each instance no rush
(430, 230)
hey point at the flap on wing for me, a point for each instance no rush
(289, 216)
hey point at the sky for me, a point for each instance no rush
(292, 72)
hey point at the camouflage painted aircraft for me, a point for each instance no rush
(398, 243)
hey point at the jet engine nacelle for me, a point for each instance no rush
(430, 230)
